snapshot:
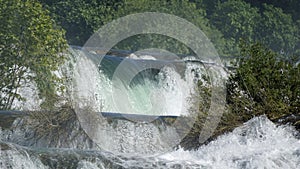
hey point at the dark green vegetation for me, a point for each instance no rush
(276, 25)
(82, 18)
(30, 48)
(269, 25)
(266, 81)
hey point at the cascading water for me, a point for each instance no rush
(257, 144)
(162, 89)
(152, 91)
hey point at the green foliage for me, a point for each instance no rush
(208, 5)
(277, 30)
(268, 25)
(81, 18)
(264, 84)
(236, 20)
(224, 22)
(291, 6)
(30, 49)
(181, 8)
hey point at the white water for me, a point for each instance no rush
(170, 94)
(13, 159)
(257, 144)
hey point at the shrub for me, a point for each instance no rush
(264, 83)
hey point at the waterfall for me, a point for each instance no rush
(157, 96)
(162, 90)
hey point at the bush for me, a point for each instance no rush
(264, 83)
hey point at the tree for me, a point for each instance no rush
(181, 8)
(209, 5)
(277, 30)
(269, 25)
(81, 18)
(289, 7)
(236, 20)
(30, 49)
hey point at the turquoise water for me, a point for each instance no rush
(154, 87)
